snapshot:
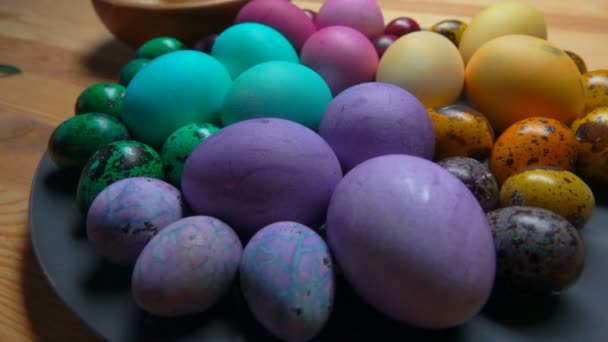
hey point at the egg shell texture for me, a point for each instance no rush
(128, 213)
(187, 267)
(551, 188)
(538, 251)
(113, 162)
(281, 15)
(373, 119)
(260, 171)
(342, 55)
(107, 98)
(362, 15)
(596, 89)
(277, 89)
(412, 241)
(245, 45)
(174, 90)
(530, 142)
(288, 281)
(592, 133)
(75, 140)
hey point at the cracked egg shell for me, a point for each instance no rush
(128, 213)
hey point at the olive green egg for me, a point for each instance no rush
(104, 98)
(113, 162)
(178, 147)
(159, 46)
(75, 140)
(130, 69)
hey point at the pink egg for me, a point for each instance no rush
(362, 15)
(281, 15)
(342, 56)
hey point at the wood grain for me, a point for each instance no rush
(61, 47)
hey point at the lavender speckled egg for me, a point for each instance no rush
(188, 267)
(128, 213)
(374, 119)
(281, 15)
(362, 15)
(538, 251)
(260, 171)
(412, 241)
(342, 55)
(288, 281)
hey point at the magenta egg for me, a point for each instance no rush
(260, 171)
(128, 213)
(362, 15)
(374, 119)
(187, 267)
(342, 56)
(281, 15)
(412, 241)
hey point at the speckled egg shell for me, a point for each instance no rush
(596, 89)
(187, 267)
(538, 251)
(476, 177)
(461, 131)
(113, 162)
(330, 51)
(75, 140)
(260, 171)
(592, 133)
(373, 119)
(104, 98)
(128, 213)
(281, 15)
(288, 281)
(362, 15)
(551, 188)
(530, 142)
(178, 147)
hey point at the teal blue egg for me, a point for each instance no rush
(174, 90)
(244, 45)
(280, 90)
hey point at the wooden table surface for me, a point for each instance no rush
(61, 47)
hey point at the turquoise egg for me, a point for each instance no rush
(174, 90)
(244, 45)
(280, 90)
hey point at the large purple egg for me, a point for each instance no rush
(128, 213)
(260, 171)
(373, 119)
(412, 240)
(187, 267)
(281, 15)
(342, 55)
(287, 280)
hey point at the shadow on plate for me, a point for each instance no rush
(50, 318)
(517, 311)
(63, 181)
(107, 59)
(106, 277)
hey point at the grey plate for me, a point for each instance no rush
(98, 292)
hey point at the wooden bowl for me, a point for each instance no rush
(135, 22)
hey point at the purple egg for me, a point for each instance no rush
(364, 16)
(287, 280)
(187, 267)
(373, 119)
(281, 15)
(412, 241)
(342, 55)
(128, 213)
(260, 171)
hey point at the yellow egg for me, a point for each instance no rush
(426, 64)
(509, 17)
(596, 89)
(515, 77)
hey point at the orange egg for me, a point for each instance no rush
(514, 77)
(533, 141)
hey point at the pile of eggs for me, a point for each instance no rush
(223, 163)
